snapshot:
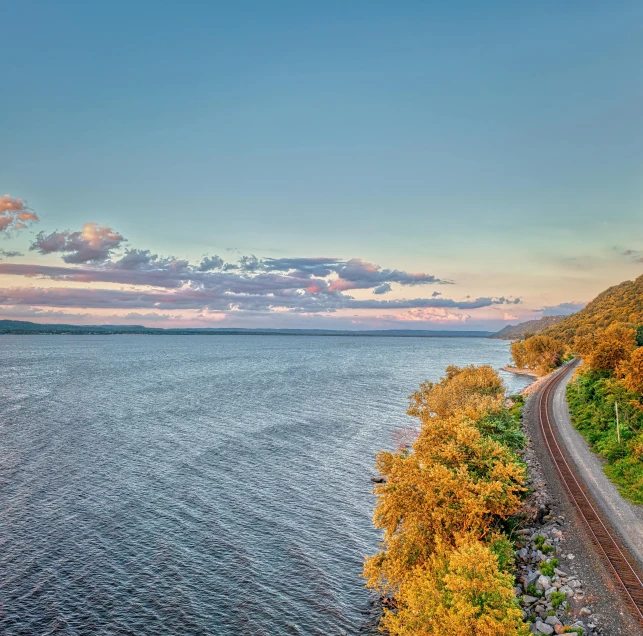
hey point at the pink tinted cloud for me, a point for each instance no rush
(94, 243)
(14, 214)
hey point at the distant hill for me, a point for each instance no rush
(519, 331)
(620, 303)
(26, 327)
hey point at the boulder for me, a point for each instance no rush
(543, 583)
(543, 628)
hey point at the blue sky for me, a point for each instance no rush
(497, 145)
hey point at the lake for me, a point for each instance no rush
(199, 484)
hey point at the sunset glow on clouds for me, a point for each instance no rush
(102, 278)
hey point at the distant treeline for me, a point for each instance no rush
(25, 327)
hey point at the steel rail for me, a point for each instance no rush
(600, 533)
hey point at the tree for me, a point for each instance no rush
(455, 478)
(611, 347)
(460, 590)
(541, 353)
(631, 372)
(639, 336)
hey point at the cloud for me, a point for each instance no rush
(14, 214)
(382, 289)
(92, 244)
(564, 309)
(635, 256)
(433, 315)
(9, 254)
(209, 263)
(18, 311)
(221, 299)
(299, 285)
(317, 266)
(359, 274)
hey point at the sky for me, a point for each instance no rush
(351, 165)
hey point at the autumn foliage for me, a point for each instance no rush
(442, 558)
(539, 353)
(604, 334)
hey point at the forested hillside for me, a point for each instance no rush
(601, 331)
(622, 303)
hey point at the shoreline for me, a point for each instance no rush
(518, 371)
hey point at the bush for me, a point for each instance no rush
(442, 507)
(556, 599)
(547, 567)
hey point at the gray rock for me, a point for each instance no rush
(530, 579)
(543, 628)
(585, 611)
(529, 600)
(552, 620)
(550, 591)
(543, 583)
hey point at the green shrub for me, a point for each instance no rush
(556, 599)
(547, 567)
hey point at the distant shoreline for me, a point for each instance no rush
(25, 327)
(106, 332)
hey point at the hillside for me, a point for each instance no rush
(519, 331)
(620, 303)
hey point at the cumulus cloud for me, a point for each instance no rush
(94, 243)
(15, 214)
(564, 309)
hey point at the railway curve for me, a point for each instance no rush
(624, 568)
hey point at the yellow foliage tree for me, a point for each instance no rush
(466, 390)
(460, 590)
(454, 480)
(611, 347)
(631, 371)
(539, 353)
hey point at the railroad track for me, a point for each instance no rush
(605, 540)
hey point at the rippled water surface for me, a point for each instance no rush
(198, 485)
